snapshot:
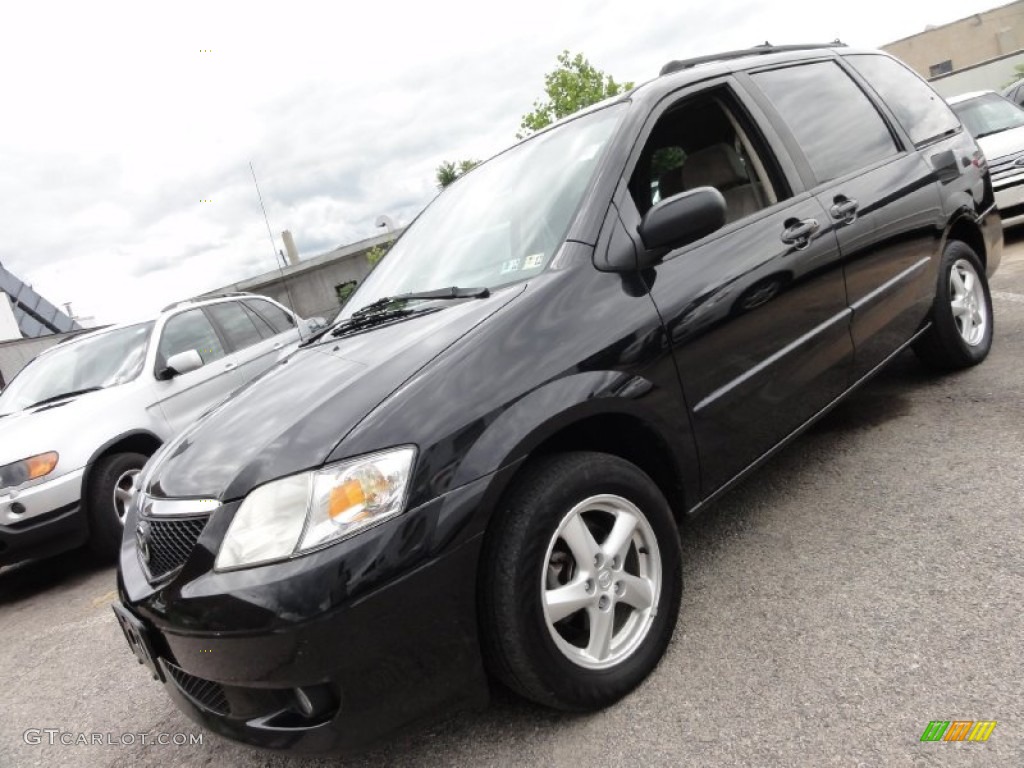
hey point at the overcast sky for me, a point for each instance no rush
(117, 124)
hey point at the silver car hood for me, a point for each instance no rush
(47, 427)
(1001, 144)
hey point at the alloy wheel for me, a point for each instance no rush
(968, 303)
(123, 489)
(601, 581)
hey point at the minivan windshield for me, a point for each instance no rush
(502, 222)
(103, 360)
(988, 114)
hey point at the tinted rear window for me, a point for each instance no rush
(836, 125)
(922, 112)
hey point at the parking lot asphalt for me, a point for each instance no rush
(868, 580)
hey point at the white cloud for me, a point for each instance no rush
(117, 125)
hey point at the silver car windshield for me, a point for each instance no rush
(988, 114)
(501, 223)
(110, 358)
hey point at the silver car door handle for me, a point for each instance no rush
(228, 366)
(278, 345)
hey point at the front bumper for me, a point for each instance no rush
(1009, 194)
(380, 629)
(43, 519)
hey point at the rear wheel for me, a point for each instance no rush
(581, 581)
(961, 332)
(109, 493)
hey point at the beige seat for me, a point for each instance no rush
(720, 167)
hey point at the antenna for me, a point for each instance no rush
(273, 248)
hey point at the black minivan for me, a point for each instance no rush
(476, 472)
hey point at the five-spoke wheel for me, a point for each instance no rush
(600, 598)
(581, 581)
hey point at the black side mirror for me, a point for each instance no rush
(682, 219)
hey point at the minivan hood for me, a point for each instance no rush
(291, 418)
(998, 145)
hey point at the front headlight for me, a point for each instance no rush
(303, 512)
(31, 468)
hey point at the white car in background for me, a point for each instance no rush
(78, 423)
(998, 126)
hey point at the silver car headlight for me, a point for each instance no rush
(32, 468)
(303, 512)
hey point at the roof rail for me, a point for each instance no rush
(194, 299)
(758, 50)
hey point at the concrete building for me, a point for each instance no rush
(968, 42)
(317, 286)
(987, 76)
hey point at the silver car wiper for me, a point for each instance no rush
(63, 395)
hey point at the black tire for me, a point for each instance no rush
(943, 346)
(519, 648)
(105, 527)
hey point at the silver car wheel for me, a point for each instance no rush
(600, 599)
(123, 490)
(967, 301)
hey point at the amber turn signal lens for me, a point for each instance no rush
(41, 465)
(346, 497)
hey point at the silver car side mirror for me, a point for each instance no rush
(181, 363)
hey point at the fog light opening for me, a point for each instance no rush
(314, 701)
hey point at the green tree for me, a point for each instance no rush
(376, 253)
(1018, 74)
(448, 172)
(570, 87)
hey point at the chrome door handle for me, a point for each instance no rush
(844, 209)
(228, 366)
(798, 232)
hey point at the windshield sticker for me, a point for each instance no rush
(533, 261)
(511, 265)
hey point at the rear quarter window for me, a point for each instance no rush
(278, 319)
(922, 112)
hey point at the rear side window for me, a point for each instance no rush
(922, 112)
(279, 320)
(238, 329)
(189, 330)
(836, 125)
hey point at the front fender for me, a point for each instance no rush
(549, 409)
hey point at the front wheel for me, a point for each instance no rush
(961, 332)
(581, 581)
(110, 488)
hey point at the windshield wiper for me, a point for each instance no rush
(63, 395)
(381, 310)
(441, 293)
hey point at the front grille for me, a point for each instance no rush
(164, 545)
(206, 693)
(1005, 166)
